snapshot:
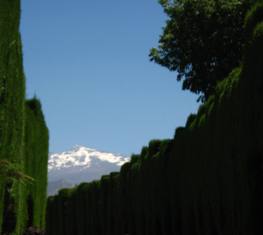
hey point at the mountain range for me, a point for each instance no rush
(81, 164)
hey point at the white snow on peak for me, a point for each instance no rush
(83, 157)
(81, 164)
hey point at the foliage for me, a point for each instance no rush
(202, 40)
(11, 172)
(254, 16)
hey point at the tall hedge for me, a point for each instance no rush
(36, 160)
(15, 119)
(207, 180)
(12, 96)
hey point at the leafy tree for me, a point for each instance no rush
(202, 40)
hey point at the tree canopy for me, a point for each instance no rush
(202, 40)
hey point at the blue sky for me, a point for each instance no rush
(88, 63)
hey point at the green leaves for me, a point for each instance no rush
(254, 16)
(202, 41)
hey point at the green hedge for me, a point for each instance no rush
(36, 160)
(16, 121)
(12, 96)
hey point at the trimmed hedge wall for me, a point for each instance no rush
(207, 180)
(36, 161)
(12, 96)
(19, 155)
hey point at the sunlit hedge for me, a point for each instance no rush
(15, 123)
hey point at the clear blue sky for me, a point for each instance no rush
(88, 63)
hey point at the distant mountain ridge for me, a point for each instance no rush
(81, 164)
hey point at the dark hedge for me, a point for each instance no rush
(207, 180)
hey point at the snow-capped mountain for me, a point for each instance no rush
(78, 165)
